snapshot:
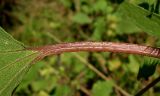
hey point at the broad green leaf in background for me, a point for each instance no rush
(102, 88)
(63, 90)
(66, 3)
(114, 64)
(15, 61)
(123, 22)
(81, 18)
(139, 17)
(143, 1)
(99, 28)
(133, 64)
(100, 6)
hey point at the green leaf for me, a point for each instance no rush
(81, 18)
(102, 88)
(7, 43)
(139, 17)
(14, 62)
(66, 3)
(46, 84)
(99, 28)
(100, 6)
(143, 1)
(123, 21)
(63, 90)
(133, 64)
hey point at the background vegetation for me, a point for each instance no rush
(42, 22)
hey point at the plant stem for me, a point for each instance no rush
(101, 47)
(148, 86)
(90, 66)
(98, 47)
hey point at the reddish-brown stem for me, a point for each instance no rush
(98, 47)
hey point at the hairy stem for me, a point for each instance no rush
(98, 47)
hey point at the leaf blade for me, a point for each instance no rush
(138, 16)
(8, 43)
(15, 61)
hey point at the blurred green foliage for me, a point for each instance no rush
(102, 88)
(54, 21)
